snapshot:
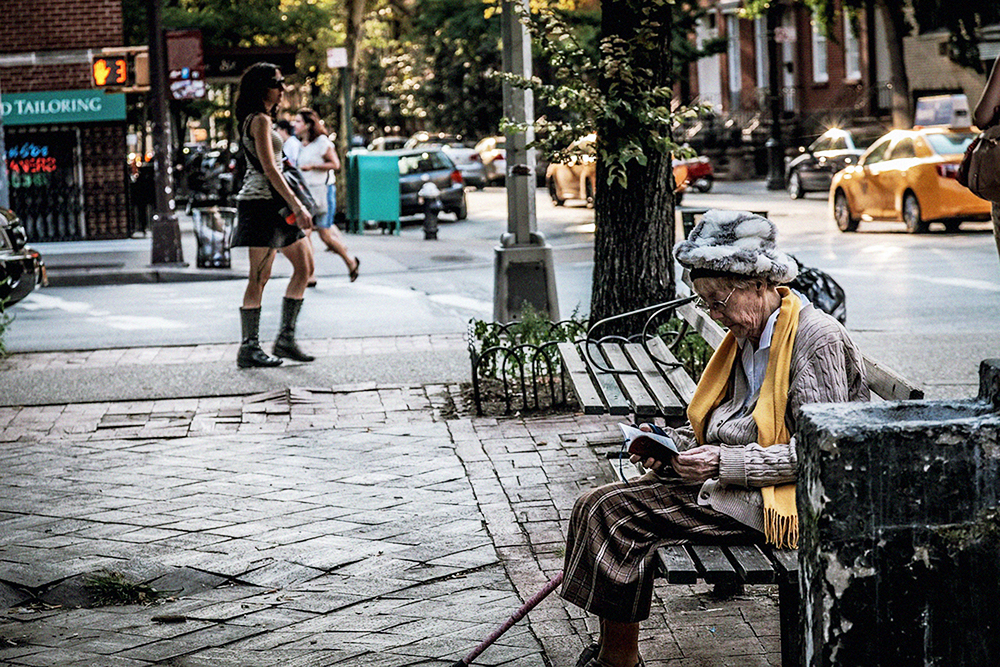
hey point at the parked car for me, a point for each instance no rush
(421, 165)
(908, 175)
(466, 158)
(390, 143)
(813, 170)
(21, 267)
(493, 153)
(700, 174)
(576, 178)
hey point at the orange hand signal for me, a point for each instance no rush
(101, 72)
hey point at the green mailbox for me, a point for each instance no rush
(373, 189)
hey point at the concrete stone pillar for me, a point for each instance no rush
(900, 531)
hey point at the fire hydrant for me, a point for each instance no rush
(430, 198)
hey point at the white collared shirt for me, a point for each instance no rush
(754, 361)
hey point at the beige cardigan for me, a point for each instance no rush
(826, 368)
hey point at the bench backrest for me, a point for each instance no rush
(884, 382)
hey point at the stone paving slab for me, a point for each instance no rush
(343, 525)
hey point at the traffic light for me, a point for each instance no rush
(111, 71)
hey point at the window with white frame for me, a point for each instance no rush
(733, 58)
(820, 72)
(760, 51)
(852, 52)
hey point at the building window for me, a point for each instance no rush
(733, 58)
(852, 52)
(760, 51)
(820, 73)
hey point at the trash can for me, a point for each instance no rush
(213, 227)
(372, 189)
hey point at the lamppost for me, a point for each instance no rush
(774, 145)
(166, 231)
(524, 268)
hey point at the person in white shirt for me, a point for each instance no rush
(290, 144)
(316, 160)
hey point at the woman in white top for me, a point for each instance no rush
(317, 160)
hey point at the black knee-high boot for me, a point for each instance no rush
(251, 355)
(285, 345)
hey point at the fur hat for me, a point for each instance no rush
(736, 242)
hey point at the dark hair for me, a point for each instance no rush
(284, 126)
(254, 84)
(314, 126)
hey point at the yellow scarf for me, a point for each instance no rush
(781, 520)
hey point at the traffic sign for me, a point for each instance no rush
(110, 71)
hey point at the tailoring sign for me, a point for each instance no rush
(62, 106)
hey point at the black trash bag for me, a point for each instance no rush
(822, 290)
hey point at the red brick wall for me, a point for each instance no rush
(73, 25)
(53, 25)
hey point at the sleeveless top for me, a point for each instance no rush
(255, 183)
(311, 154)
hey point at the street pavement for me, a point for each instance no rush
(352, 511)
(365, 524)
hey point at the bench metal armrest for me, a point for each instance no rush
(656, 310)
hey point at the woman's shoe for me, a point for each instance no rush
(250, 354)
(354, 272)
(285, 345)
(311, 283)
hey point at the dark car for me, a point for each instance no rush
(813, 170)
(422, 165)
(21, 268)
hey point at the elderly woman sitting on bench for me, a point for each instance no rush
(734, 479)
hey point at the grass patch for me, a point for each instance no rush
(112, 588)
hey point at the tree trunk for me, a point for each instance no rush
(896, 30)
(634, 237)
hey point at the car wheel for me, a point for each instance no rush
(951, 226)
(589, 192)
(462, 212)
(703, 184)
(795, 190)
(911, 214)
(554, 194)
(842, 213)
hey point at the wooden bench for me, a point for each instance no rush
(642, 377)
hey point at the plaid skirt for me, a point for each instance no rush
(613, 535)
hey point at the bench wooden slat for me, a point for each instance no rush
(583, 386)
(661, 391)
(677, 566)
(786, 562)
(752, 565)
(607, 386)
(676, 376)
(712, 562)
(635, 391)
(889, 384)
(703, 324)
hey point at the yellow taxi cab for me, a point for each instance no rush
(908, 176)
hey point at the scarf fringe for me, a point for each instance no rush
(781, 531)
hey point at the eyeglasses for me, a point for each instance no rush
(278, 84)
(714, 305)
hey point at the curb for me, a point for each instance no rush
(85, 278)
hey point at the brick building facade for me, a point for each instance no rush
(51, 109)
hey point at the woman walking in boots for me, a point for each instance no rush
(269, 218)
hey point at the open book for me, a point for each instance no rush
(648, 445)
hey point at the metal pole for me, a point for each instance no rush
(774, 145)
(4, 186)
(524, 271)
(166, 231)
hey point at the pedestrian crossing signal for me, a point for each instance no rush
(110, 71)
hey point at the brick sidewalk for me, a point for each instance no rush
(353, 525)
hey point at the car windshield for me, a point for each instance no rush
(952, 143)
(423, 162)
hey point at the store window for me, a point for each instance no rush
(852, 52)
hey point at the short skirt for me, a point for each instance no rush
(259, 224)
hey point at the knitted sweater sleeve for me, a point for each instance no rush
(826, 368)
